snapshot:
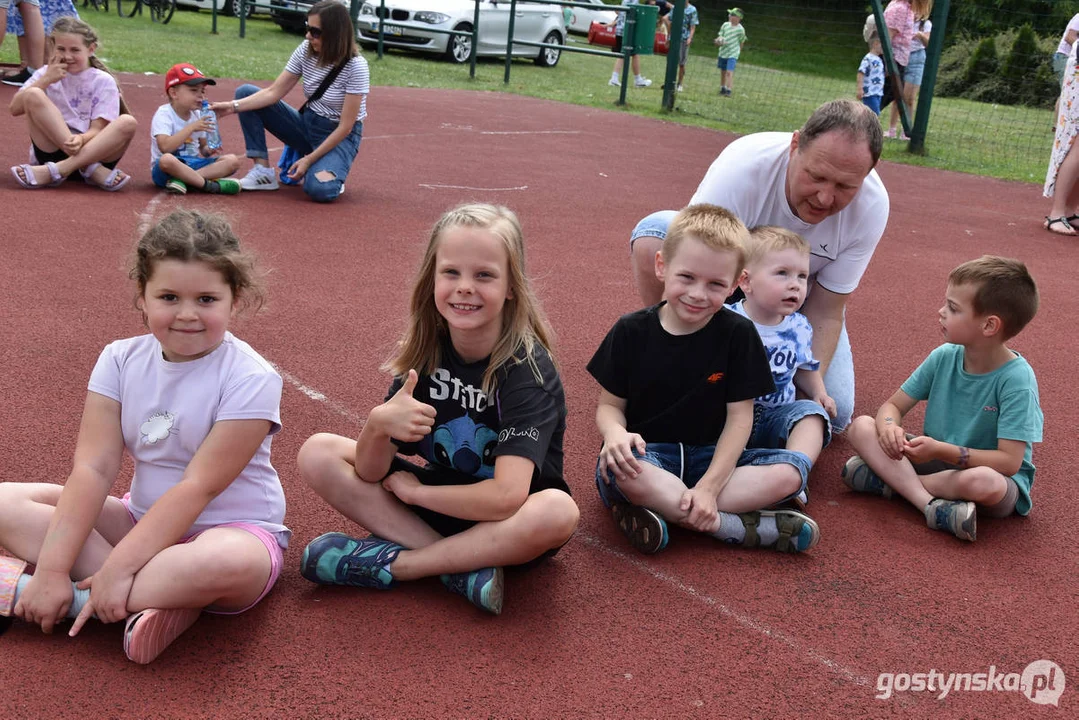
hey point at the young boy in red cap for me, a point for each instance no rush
(180, 156)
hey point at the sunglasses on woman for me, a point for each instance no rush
(314, 32)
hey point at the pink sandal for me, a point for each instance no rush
(111, 183)
(29, 181)
(149, 632)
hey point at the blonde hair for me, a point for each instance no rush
(765, 239)
(715, 227)
(524, 325)
(68, 25)
(922, 9)
(1002, 287)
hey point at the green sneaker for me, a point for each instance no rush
(797, 531)
(483, 587)
(223, 186)
(859, 477)
(959, 517)
(176, 187)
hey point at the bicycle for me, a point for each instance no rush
(160, 10)
(96, 4)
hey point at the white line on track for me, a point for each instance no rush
(675, 583)
(146, 217)
(436, 186)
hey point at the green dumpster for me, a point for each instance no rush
(644, 37)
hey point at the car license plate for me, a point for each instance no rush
(394, 30)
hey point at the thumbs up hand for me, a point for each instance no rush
(403, 417)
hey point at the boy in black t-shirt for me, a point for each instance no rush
(676, 407)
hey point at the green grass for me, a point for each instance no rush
(1010, 143)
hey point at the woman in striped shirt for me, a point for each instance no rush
(326, 131)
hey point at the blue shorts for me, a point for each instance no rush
(872, 102)
(689, 463)
(772, 425)
(160, 177)
(915, 68)
(655, 225)
(726, 63)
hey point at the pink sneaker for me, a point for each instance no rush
(11, 569)
(889, 133)
(149, 632)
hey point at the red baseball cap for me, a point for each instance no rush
(186, 74)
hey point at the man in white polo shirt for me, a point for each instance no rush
(819, 182)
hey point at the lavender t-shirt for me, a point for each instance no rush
(82, 97)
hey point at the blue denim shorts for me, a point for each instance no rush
(872, 102)
(915, 68)
(655, 225)
(772, 425)
(726, 63)
(160, 177)
(689, 463)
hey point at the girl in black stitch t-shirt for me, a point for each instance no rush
(477, 395)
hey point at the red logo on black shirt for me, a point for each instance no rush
(715, 377)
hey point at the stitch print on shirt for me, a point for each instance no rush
(463, 445)
(157, 427)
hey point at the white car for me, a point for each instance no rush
(225, 7)
(583, 18)
(414, 19)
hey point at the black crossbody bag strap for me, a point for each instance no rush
(325, 85)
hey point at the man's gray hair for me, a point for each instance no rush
(849, 116)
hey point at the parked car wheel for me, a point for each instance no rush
(459, 47)
(232, 8)
(548, 57)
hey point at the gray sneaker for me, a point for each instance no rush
(959, 517)
(859, 477)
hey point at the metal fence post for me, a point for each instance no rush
(475, 41)
(629, 30)
(213, 18)
(932, 64)
(509, 41)
(678, 16)
(381, 28)
(243, 18)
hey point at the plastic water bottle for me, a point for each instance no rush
(213, 137)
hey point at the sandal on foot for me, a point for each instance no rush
(1063, 221)
(149, 632)
(115, 180)
(29, 181)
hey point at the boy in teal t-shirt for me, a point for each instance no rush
(982, 415)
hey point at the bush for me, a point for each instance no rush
(971, 69)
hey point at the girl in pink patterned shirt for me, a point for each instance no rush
(76, 116)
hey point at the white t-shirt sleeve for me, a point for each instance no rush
(105, 377)
(862, 228)
(732, 182)
(162, 124)
(253, 397)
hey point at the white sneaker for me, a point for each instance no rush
(260, 178)
(642, 82)
(678, 89)
(614, 81)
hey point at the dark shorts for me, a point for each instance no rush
(617, 43)
(890, 89)
(446, 525)
(56, 156)
(1003, 508)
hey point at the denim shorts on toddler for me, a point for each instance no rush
(160, 177)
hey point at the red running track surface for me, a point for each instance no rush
(702, 630)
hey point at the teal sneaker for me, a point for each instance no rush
(959, 517)
(797, 531)
(645, 529)
(337, 559)
(483, 588)
(859, 477)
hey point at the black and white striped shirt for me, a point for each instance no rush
(354, 79)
